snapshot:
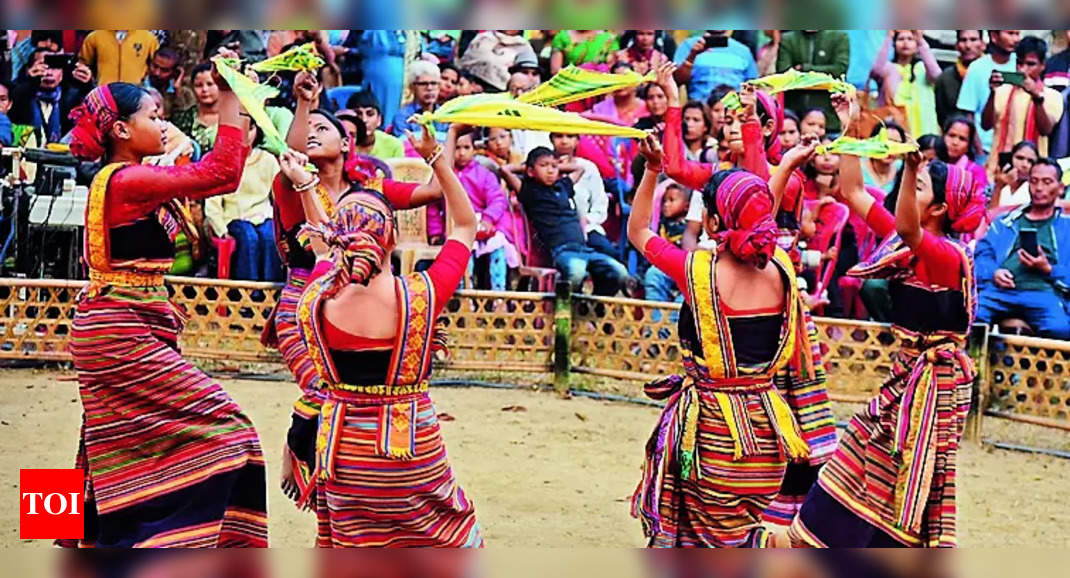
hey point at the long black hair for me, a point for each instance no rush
(709, 192)
(938, 172)
(971, 152)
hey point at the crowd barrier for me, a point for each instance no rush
(1020, 378)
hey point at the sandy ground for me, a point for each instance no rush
(545, 472)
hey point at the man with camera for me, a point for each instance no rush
(1022, 262)
(710, 60)
(52, 84)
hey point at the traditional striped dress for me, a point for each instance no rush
(892, 480)
(718, 455)
(382, 477)
(171, 460)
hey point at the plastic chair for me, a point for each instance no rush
(833, 218)
(412, 246)
(339, 95)
(225, 249)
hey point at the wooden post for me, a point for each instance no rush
(977, 346)
(562, 335)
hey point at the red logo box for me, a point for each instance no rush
(51, 504)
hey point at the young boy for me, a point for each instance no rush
(592, 202)
(376, 142)
(547, 198)
(674, 205)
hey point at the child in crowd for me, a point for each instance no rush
(813, 122)
(374, 142)
(671, 226)
(789, 131)
(591, 199)
(547, 198)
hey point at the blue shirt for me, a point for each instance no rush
(975, 90)
(731, 65)
(865, 44)
(401, 123)
(6, 135)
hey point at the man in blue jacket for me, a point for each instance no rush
(1016, 283)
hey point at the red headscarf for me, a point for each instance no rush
(745, 206)
(93, 119)
(965, 203)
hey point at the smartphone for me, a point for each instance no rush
(715, 41)
(1005, 161)
(1015, 78)
(60, 60)
(1029, 241)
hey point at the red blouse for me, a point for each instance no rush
(137, 190)
(446, 273)
(695, 174)
(292, 213)
(939, 261)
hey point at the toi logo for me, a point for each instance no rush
(50, 504)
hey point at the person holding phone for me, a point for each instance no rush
(46, 92)
(1022, 266)
(1020, 107)
(711, 59)
(1012, 179)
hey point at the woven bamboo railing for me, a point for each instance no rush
(1022, 378)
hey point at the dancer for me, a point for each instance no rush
(754, 131)
(382, 477)
(170, 459)
(718, 455)
(891, 482)
(323, 137)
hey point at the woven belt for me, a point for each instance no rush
(101, 279)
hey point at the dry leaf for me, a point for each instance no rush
(580, 416)
(514, 408)
(445, 417)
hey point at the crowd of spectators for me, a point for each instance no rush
(997, 108)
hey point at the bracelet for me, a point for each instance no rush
(435, 154)
(307, 186)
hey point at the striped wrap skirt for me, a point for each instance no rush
(171, 460)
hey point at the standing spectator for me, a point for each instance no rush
(970, 45)
(827, 51)
(1015, 282)
(447, 86)
(119, 55)
(642, 53)
(424, 78)
(178, 149)
(881, 173)
(547, 198)
(246, 215)
(6, 136)
(250, 44)
(376, 142)
(960, 148)
(580, 48)
(1026, 112)
(1057, 73)
(591, 200)
(1012, 181)
(767, 53)
(165, 75)
(863, 46)
(201, 120)
(975, 86)
(22, 51)
(383, 65)
(44, 97)
(492, 53)
(282, 40)
(713, 59)
(907, 79)
(790, 134)
(696, 128)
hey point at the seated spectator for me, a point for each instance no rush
(468, 84)
(696, 129)
(547, 198)
(499, 157)
(44, 97)
(718, 114)
(641, 53)
(960, 148)
(165, 76)
(881, 173)
(813, 122)
(1027, 112)
(6, 135)
(790, 135)
(178, 148)
(674, 204)
(656, 103)
(447, 85)
(584, 48)
(119, 55)
(703, 67)
(928, 145)
(491, 54)
(352, 123)
(590, 198)
(526, 140)
(1057, 72)
(1016, 282)
(1012, 180)
(907, 78)
(527, 63)
(201, 120)
(376, 142)
(246, 216)
(621, 106)
(424, 80)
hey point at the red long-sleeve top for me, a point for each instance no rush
(695, 174)
(938, 261)
(292, 213)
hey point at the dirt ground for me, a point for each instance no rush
(542, 471)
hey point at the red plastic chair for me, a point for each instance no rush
(225, 247)
(831, 218)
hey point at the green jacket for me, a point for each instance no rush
(825, 51)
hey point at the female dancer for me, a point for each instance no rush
(323, 137)
(170, 459)
(753, 132)
(719, 453)
(891, 482)
(382, 477)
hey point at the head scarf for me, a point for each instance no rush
(93, 120)
(772, 145)
(362, 230)
(965, 205)
(745, 204)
